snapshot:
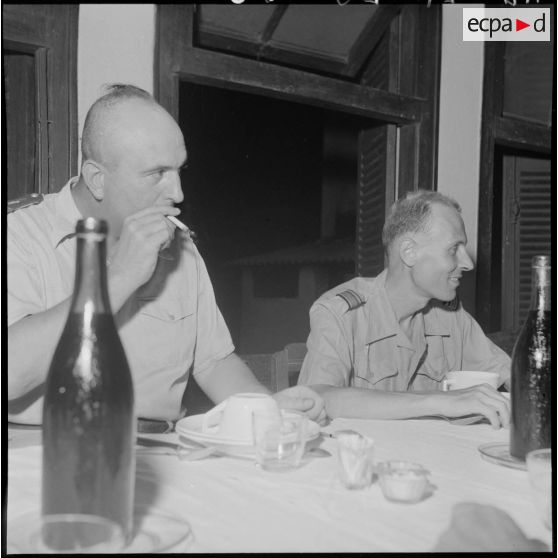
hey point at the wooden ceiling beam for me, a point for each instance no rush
(252, 76)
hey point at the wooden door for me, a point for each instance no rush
(39, 57)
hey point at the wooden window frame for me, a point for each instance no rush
(506, 131)
(410, 110)
(49, 32)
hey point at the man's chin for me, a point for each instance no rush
(446, 297)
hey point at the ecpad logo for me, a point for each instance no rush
(506, 24)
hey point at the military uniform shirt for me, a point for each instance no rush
(169, 327)
(356, 341)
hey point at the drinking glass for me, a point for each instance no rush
(279, 439)
(356, 460)
(539, 466)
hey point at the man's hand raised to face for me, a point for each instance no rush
(133, 257)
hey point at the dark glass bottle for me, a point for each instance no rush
(88, 414)
(531, 369)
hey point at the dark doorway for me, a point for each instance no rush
(255, 177)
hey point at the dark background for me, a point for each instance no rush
(253, 182)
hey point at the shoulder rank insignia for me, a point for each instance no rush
(352, 298)
(25, 201)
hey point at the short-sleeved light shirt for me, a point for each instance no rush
(169, 327)
(365, 346)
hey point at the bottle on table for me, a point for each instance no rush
(88, 413)
(530, 427)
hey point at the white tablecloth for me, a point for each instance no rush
(233, 506)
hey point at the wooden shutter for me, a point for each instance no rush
(372, 172)
(376, 187)
(24, 169)
(527, 211)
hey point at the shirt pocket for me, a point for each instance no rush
(153, 308)
(436, 364)
(370, 370)
(168, 331)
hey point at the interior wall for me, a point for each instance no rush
(115, 44)
(460, 129)
(268, 324)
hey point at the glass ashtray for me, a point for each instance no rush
(402, 481)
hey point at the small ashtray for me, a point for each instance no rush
(402, 481)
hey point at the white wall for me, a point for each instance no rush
(115, 44)
(460, 119)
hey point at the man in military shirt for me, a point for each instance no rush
(158, 285)
(380, 347)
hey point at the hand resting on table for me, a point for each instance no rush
(302, 399)
(482, 399)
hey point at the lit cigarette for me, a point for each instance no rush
(178, 223)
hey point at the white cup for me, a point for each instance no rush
(233, 416)
(462, 379)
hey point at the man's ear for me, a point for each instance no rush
(408, 251)
(94, 176)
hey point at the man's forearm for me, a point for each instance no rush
(228, 376)
(31, 344)
(351, 402)
(33, 339)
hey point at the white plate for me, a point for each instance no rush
(500, 454)
(155, 531)
(190, 428)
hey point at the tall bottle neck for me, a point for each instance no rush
(540, 289)
(90, 289)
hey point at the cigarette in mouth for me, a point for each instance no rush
(178, 223)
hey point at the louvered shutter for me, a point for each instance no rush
(527, 224)
(533, 190)
(375, 185)
(376, 170)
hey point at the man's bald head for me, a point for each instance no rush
(104, 121)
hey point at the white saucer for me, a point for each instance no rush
(500, 454)
(154, 531)
(190, 428)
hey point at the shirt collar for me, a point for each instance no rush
(67, 214)
(384, 324)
